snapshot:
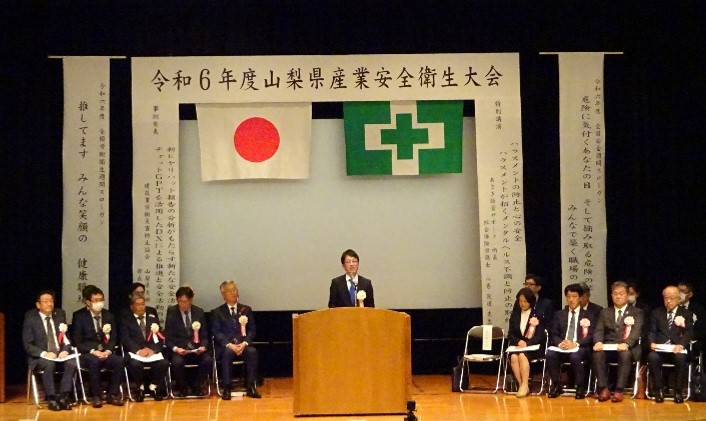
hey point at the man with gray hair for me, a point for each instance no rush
(233, 328)
(671, 330)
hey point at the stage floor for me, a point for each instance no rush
(432, 395)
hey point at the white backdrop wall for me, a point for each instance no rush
(417, 237)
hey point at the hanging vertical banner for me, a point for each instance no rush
(500, 205)
(582, 156)
(86, 157)
(160, 84)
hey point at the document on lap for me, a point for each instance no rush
(152, 358)
(557, 349)
(668, 348)
(59, 360)
(514, 348)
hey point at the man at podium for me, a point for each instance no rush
(351, 289)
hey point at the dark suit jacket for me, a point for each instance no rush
(515, 335)
(607, 331)
(34, 337)
(700, 325)
(660, 333)
(226, 329)
(131, 335)
(340, 297)
(594, 308)
(84, 332)
(176, 332)
(560, 324)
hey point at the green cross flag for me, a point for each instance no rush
(403, 138)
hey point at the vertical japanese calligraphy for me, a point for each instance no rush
(583, 216)
(86, 157)
(500, 205)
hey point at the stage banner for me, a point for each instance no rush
(86, 158)
(160, 84)
(501, 205)
(582, 160)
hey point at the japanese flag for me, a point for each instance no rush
(268, 140)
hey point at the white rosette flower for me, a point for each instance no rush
(360, 296)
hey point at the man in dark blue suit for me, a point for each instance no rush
(233, 326)
(187, 339)
(44, 340)
(671, 324)
(572, 331)
(347, 290)
(140, 334)
(95, 335)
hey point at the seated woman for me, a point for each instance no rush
(524, 330)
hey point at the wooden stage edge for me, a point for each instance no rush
(432, 394)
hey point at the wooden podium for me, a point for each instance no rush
(352, 360)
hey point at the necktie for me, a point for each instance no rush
(670, 320)
(232, 312)
(98, 323)
(620, 317)
(351, 291)
(187, 321)
(51, 337)
(572, 326)
(143, 326)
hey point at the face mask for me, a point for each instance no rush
(631, 299)
(97, 306)
(682, 296)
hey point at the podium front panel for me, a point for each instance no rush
(351, 361)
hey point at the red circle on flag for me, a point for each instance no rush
(256, 139)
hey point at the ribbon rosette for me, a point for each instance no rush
(155, 335)
(533, 322)
(243, 320)
(585, 324)
(629, 321)
(360, 296)
(62, 334)
(195, 326)
(106, 331)
(679, 321)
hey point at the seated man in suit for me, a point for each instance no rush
(351, 289)
(94, 334)
(140, 335)
(686, 300)
(571, 329)
(44, 340)
(543, 307)
(136, 289)
(585, 300)
(233, 328)
(671, 325)
(619, 324)
(186, 334)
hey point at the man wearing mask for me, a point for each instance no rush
(686, 295)
(671, 325)
(44, 342)
(95, 337)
